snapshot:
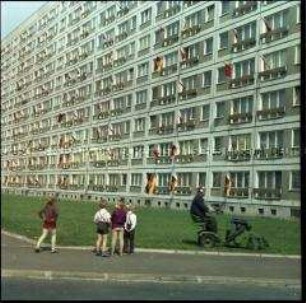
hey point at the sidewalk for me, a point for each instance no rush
(19, 260)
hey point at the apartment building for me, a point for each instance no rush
(151, 99)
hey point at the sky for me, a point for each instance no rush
(14, 13)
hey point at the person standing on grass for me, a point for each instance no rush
(129, 229)
(49, 215)
(118, 221)
(103, 220)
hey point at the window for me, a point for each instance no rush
(192, 20)
(216, 179)
(143, 69)
(169, 89)
(225, 7)
(298, 13)
(270, 179)
(172, 29)
(167, 119)
(141, 97)
(246, 32)
(296, 95)
(184, 179)
(145, 16)
(220, 109)
(190, 82)
(205, 112)
(202, 180)
(242, 105)
(171, 59)
(163, 179)
(297, 54)
(209, 13)
(223, 40)
(271, 100)
(208, 46)
(218, 144)
(140, 124)
(275, 21)
(144, 42)
(206, 79)
(271, 139)
(244, 68)
(138, 152)
(187, 147)
(295, 180)
(240, 179)
(274, 60)
(221, 75)
(136, 179)
(204, 149)
(240, 142)
(295, 138)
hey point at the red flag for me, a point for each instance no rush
(228, 70)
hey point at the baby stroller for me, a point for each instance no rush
(239, 227)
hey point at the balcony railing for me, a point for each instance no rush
(191, 31)
(238, 155)
(267, 193)
(273, 73)
(269, 153)
(271, 113)
(238, 118)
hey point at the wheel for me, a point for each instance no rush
(207, 240)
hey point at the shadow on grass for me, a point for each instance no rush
(190, 242)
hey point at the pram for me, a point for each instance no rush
(208, 234)
(252, 241)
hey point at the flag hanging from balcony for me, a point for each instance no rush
(173, 151)
(180, 86)
(151, 185)
(179, 118)
(267, 24)
(158, 64)
(227, 185)
(155, 152)
(184, 53)
(235, 35)
(228, 70)
(172, 183)
(266, 65)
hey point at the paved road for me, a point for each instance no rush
(214, 273)
(24, 289)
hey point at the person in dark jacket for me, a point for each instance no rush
(49, 215)
(118, 221)
(199, 211)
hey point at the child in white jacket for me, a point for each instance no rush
(103, 220)
(129, 229)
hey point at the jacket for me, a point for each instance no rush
(198, 207)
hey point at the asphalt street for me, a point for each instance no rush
(148, 274)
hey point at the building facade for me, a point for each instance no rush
(151, 99)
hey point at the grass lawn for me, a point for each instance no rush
(157, 228)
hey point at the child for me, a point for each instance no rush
(102, 219)
(129, 229)
(49, 214)
(118, 221)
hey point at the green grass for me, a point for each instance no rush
(157, 228)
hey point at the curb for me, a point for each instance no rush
(165, 251)
(122, 277)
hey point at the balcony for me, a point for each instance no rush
(162, 190)
(245, 8)
(238, 155)
(191, 62)
(188, 94)
(140, 106)
(185, 159)
(115, 137)
(235, 192)
(241, 81)
(274, 34)
(271, 113)
(269, 153)
(273, 73)
(137, 161)
(98, 164)
(183, 191)
(186, 126)
(165, 129)
(138, 134)
(112, 188)
(170, 40)
(121, 37)
(243, 45)
(267, 193)
(239, 118)
(103, 115)
(122, 11)
(163, 100)
(159, 160)
(190, 31)
(135, 189)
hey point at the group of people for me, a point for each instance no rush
(122, 223)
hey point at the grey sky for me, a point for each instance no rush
(14, 13)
